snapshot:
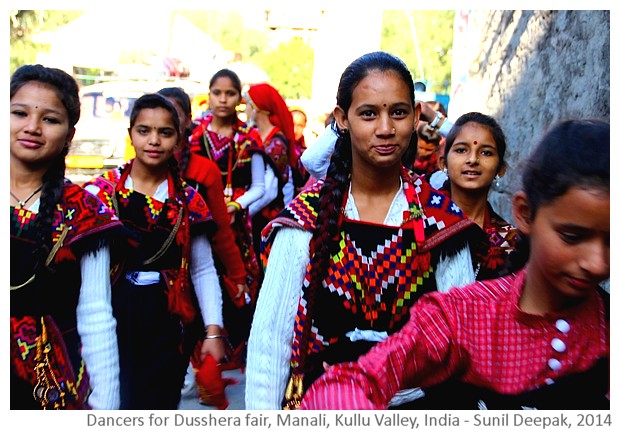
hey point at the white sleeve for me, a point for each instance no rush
(455, 271)
(257, 188)
(206, 282)
(271, 192)
(317, 156)
(97, 329)
(445, 127)
(271, 335)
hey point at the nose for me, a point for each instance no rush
(153, 138)
(33, 125)
(473, 158)
(386, 126)
(595, 261)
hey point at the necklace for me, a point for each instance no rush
(22, 203)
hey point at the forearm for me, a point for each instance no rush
(205, 281)
(271, 336)
(97, 329)
(257, 188)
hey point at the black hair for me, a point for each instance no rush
(227, 73)
(67, 90)
(572, 153)
(184, 101)
(180, 96)
(63, 84)
(152, 101)
(485, 120)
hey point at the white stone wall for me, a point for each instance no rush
(529, 69)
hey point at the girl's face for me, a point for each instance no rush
(39, 125)
(223, 98)
(569, 243)
(154, 138)
(381, 120)
(473, 160)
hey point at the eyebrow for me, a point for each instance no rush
(43, 109)
(374, 106)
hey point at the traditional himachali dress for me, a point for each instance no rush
(45, 306)
(375, 275)
(154, 298)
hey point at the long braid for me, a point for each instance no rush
(326, 235)
(51, 196)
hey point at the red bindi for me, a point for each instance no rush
(475, 142)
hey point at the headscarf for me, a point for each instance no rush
(266, 98)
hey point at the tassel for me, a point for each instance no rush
(294, 392)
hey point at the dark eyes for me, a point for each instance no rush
(396, 113)
(48, 119)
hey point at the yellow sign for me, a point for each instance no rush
(84, 162)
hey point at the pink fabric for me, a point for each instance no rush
(478, 330)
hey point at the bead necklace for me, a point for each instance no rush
(22, 203)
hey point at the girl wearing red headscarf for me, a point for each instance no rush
(268, 111)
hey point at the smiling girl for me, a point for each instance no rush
(168, 265)
(349, 256)
(474, 158)
(63, 345)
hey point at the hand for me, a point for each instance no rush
(428, 113)
(242, 289)
(214, 347)
(231, 212)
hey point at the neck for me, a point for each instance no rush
(217, 122)
(23, 179)
(146, 180)
(473, 205)
(263, 124)
(375, 183)
(536, 299)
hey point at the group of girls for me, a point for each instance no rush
(357, 307)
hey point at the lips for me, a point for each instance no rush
(385, 149)
(581, 284)
(471, 173)
(28, 143)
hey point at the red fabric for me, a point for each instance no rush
(478, 332)
(207, 173)
(267, 98)
(211, 385)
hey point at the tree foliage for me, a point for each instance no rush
(433, 30)
(289, 64)
(26, 23)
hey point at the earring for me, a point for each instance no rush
(497, 178)
(445, 170)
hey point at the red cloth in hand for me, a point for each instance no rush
(211, 385)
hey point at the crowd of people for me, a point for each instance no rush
(365, 271)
